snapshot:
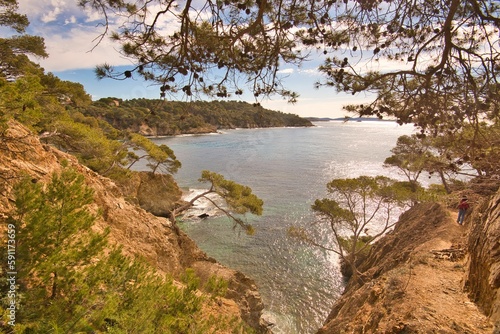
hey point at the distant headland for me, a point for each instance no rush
(348, 119)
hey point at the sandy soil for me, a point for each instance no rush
(416, 283)
(434, 295)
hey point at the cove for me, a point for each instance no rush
(288, 168)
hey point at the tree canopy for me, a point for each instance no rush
(438, 57)
(13, 50)
(158, 156)
(447, 53)
(469, 152)
(239, 199)
(359, 211)
(409, 156)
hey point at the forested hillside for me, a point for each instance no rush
(81, 253)
(159, 117)
(88, 259)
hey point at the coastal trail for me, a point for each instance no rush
(414, 281)
(435, 295)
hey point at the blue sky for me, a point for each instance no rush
(70, 34)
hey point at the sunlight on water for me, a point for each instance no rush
(288, 168)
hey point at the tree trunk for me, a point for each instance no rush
(54, 286)
(445, 183)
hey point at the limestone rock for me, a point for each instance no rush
(483, 274)
(406, 288)
(138, 232)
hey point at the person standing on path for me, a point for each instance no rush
(462, 209)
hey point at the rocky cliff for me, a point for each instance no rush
(419, 277)
(483, 271)
(137, 231)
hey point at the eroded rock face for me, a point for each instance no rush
(412, 282)
(483, 272)
(138, 232)
(411, 231)
(158, 193)
(155, 193)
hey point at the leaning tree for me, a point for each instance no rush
(357, 212)
(239, 199)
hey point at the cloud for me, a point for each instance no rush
(310, 72)
(75, 50)
(46, 11)
(91, 15)
(287, 71)
(71, 20)
(46, 14)
(51, 16)
(70, 33)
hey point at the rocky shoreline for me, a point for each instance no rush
(429, 275)
(137, 231)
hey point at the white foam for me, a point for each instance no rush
(203, 206)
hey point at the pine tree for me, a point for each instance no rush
(55, 240)
(239, 199)
(361, 210)
(70, 281)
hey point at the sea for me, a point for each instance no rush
(288, 168)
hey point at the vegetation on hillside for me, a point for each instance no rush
(447, 85)
(70, 281)
(172, 117)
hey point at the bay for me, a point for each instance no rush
(288, 168)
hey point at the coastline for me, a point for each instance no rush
(220, 131)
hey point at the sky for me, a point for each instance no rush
(70, 35)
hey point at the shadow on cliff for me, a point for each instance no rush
(429, 275)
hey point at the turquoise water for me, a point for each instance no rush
(288, 168)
